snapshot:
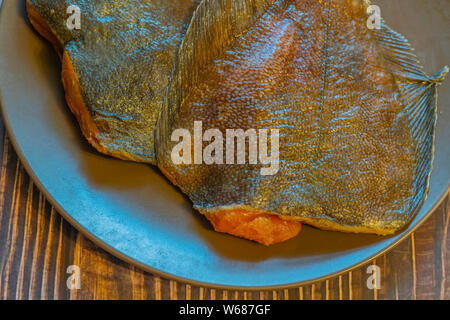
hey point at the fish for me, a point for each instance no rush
(354, 110)
(116, 65)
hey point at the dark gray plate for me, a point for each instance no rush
(133, 212)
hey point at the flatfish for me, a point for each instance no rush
(354, 111)
(116, 65)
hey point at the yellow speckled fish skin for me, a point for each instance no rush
(122, 58)
(355, 111)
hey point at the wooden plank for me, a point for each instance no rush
(432, 257)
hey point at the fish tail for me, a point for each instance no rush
(417, 92)
(419, 100)
(439, 77)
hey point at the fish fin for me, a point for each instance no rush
(419, 99)
(417, 92)
(214, 26)
(399, 55)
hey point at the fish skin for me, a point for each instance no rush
(122, 58)
(355, 111)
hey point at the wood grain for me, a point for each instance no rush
(37, 246)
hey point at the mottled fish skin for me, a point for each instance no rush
(355, 112)
(123, 57)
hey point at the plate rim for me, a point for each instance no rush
(9, 134)
(169, 276)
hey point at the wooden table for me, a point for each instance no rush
(37, 246)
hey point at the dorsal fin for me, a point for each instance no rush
(400, 56)
(214, 26)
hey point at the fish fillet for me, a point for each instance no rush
(355, 112)
(116, 67)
